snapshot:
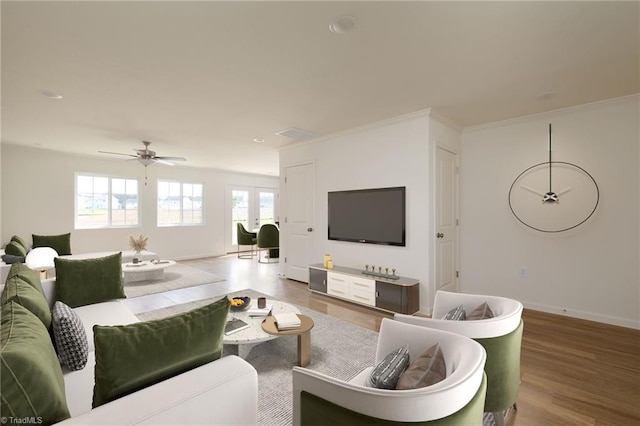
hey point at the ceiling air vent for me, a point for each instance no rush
(296, 133)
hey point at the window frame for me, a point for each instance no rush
(110, 178)
(182, 209)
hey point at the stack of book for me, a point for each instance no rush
(259, 312)
(286, 321)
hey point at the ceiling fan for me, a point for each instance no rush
(147, 157)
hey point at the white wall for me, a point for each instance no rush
(590, 272)
(38, 198)
(394, 153)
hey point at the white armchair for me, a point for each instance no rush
(501, 336)
(456, 400)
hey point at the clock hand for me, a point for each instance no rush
(564, 191)
(540, 193)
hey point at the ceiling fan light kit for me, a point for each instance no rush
(553, 196)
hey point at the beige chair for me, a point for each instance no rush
(501, 337)
(319, 399)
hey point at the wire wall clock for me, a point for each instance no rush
(553, 196)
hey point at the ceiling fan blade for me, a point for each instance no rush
(118, 153)
(170, 158)
(162, 161)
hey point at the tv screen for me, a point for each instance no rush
(372, 216)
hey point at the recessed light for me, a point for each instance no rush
(50, 95)
(342, 24)
(256, 140)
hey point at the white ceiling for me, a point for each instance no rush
(203, 79)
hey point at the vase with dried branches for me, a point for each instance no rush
(138, 243)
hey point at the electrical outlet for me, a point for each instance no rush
(523, 272)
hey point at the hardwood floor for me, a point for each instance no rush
(574, 372)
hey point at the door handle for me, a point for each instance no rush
(309, 229)
(440, 235)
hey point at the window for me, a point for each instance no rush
(103, 202)
(180, 203)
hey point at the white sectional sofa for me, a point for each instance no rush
(224, 391)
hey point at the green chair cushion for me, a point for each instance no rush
(315, 411)
(503, 369)
(82, 282)
(30, 375)
(26, 293)
(60, 243)
(15, 249)
(20, 241)
(132, 357)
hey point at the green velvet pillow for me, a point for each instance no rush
(30, 373)
(15, 249)
(20, 241)
(26, 274)
(82, 282)
(24, 293)
(60, 243)
(132, 357)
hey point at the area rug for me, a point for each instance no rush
(338, 348)
(175, 277)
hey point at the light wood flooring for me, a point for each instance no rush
(574, 372)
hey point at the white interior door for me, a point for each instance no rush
(446, 238)
(299, 221)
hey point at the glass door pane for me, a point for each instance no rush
(239, 212)
(266, 200)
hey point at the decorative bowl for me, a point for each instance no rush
(244, 305)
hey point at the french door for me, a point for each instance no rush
(251, 206)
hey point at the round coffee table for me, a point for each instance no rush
(249, 337)
(147, 270)
(303, 332)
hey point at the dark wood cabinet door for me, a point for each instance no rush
(318, 280)
(388, 296)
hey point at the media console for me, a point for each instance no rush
(400, 295)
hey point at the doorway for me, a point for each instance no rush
(250, 206)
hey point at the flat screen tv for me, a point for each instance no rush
(371, 216)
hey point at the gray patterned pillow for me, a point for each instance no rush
(456, 314)
(70, 337)
(385, 375)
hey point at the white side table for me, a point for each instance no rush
(147, 270)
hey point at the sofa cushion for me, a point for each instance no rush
(26, 274)
(456, 314)
(132, 357)
(483, 311)
(60, 243)
(11, 259)
(428, 369)
(31, 377)
(20, 241)
(22, 292)
(70, 337)
(386, 373)
(15, 249)
(87, 281)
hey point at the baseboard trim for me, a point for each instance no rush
(590, 316)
